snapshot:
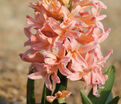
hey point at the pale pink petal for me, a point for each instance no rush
(48, 82)
(60, 49)
(64, 70)
(50, 58)
(87, 47)
(65, 12)
(103, 61)
(75, 76)
(30, 20)
(76, 66)
(36, 75)
(100, 3)
(76, 10)
(104, 35)
(90, 58)
(100, 25)
(55, 78)
(32, 56)
(98, 52)
(35, 6)
(87, 79)
(53, 7)
(39, 42)
(27, 32)
(98, 18)
(51, 28)
(95, 91)
(80, 60)
(50, 99)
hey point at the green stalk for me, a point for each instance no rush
(46, 92)
(30, 91)
(60, 87)
(63, 85)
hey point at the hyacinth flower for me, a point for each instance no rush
(67, 41)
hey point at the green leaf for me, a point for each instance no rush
(60, 87)
(30, 91)
(46, 92)
(115, 100)
(110, 97)
(85, 99)
(104, 93)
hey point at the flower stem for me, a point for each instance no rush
(60, 87)
(45, 93)
(30, 91)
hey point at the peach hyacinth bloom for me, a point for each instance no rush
(59, 95)
(67, 41)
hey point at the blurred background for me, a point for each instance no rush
(13, 72)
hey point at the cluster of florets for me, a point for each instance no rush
(67, 39)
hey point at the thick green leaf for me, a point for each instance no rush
(46, 92)
(60, 87)
(30, 91)
(115, 100)
(104, 93)
(110, 97)
(85, 99)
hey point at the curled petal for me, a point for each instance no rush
(39, 42)
(98, 77)
(100, 25)
(90, 58)
(30, 20)
(63, 66)
(101, 4)
(48, 82)
(76, 66)
(50, 58)
(87, 47)
(75, 76)
(32, 56)
(51, 28)
(62, 94)
(52, 6)
(80, 60)
(58, 95)
(50, 99)
(84, 39)
(64, 70)
(55, 78)
(36, 75)
(87, 79)
(104, 35)
(27, 32)
(103, 61)
(98, 18)
(95, 91)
